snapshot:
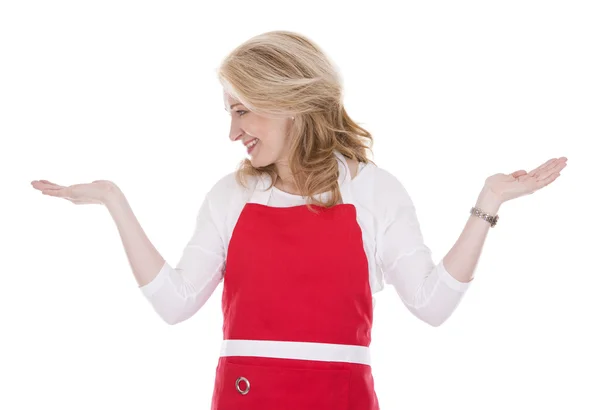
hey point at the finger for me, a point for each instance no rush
(48, 182)
(545, 181)
(518, 173)
(536, 172)
(56, 191)
(43, 184)
(559, 165)
(52, 192)
(555, 167)
(542, 170)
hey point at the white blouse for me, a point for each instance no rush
(393, 243)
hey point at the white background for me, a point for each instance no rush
(452, 91)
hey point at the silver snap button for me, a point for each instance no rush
(237, 385)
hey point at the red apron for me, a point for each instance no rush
(297, 309)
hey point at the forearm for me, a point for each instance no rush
(462, 259)
(144, 259)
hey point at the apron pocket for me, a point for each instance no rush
(250, 387)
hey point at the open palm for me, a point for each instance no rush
(95, 192)
(519, 183)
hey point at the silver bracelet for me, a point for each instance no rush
(493, 220)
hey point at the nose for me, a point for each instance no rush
(235, 132)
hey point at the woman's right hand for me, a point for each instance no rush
(96, 192)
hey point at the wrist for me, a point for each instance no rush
(488, 201)
(113, 195)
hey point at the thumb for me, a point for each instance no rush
(518, 173)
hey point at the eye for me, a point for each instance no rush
(240, 112)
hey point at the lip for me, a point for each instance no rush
(249, 141)
(250, 149)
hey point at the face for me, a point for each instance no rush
(266, 138)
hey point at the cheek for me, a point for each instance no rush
(282, 132)
(273, 133)
(256, 129)
(278, 138)
(270, 134)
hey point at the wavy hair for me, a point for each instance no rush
(282, 73)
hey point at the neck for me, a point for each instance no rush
(285, 181)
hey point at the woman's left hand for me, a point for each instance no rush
(509, 186)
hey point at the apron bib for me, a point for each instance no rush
(297, 309)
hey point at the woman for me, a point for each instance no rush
(302, 236)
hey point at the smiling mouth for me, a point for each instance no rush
(251, 145)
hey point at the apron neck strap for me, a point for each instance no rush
(262, 192)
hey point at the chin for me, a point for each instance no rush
(259, 161)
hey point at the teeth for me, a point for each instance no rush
(253, 143)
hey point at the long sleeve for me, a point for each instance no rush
(425, 288)
(176, 294)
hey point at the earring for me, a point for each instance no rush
(292, 118)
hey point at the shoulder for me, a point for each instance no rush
(383, 185)
(381, 197)
(227, 191)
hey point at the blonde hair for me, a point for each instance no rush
(282, 73)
